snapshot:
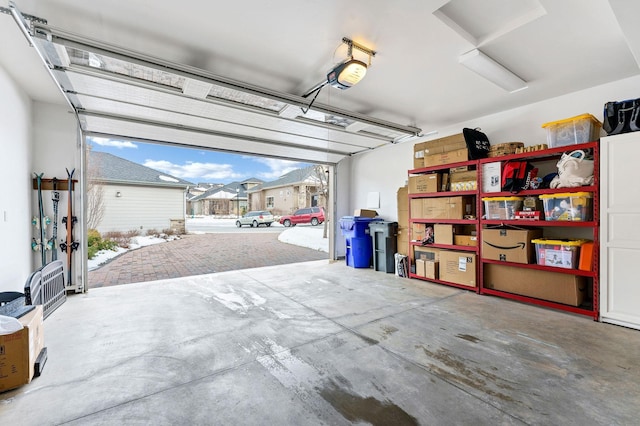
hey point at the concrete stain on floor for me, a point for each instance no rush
(458, 372)
(356, 408)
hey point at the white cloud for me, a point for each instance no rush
(113, 143)
(195, 171)
(277, 167)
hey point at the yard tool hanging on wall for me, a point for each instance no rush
(69, 246)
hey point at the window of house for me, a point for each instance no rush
(270, 202)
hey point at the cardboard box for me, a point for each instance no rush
(402, 240)
(458, 267)
(19, 350)
(491, 177)
(417, 231)
(403, 218)
(435, 208)
(425, 183)
(465, 240)
(509, 245)
(417, 211)
(443, 233)
(464, 180)
(436, 146)
(552, 286)
(420, 267)
(365, 213)
(448, 157)
(403, 198)
(426, 253)
(446, 207)
(431, 269)
(459, 207)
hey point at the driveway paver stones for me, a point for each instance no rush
(200, 254)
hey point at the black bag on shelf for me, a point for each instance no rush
(517, 175)
(477, 143)
(622, 117)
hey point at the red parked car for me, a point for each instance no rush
(312, 215)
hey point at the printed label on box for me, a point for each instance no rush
(462, 264)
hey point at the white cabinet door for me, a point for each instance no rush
(620, 230)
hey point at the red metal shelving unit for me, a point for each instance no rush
(471, 164)
(542, 156)
(551, 154)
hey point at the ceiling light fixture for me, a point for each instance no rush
(486, 67)
(350, 72)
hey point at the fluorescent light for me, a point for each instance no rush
(486, 67)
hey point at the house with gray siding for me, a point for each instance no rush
(128, 196)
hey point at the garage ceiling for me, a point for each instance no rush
(231, 76)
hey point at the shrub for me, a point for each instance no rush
(152, 232)
(168, 232)
(96, 243)
(119, 238)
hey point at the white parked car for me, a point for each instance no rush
(255, 219)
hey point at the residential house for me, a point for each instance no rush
(294, 190)
(227, 200)
(124, 196)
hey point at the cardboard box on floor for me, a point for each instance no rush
(402, 240)
(431, 269)
(458, 267)
(19, 350)
(509, 245)
(552, 286)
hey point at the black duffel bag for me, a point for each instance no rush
(622, 117)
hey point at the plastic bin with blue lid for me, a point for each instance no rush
(358, 241)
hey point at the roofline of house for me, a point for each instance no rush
(141, 183)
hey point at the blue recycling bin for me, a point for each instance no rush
(357, 239)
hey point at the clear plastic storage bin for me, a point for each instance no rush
(570, 206)
(571, 131)
(502, 207)
(558, 253)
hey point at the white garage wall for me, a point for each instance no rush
(385, 170)
(141, 208)
(56, 147)
(15, 173)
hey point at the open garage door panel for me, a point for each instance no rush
(129, 95)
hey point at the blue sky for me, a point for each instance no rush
(196, 165)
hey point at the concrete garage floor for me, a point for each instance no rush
(319, 343)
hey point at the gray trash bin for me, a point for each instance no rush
(383, 236)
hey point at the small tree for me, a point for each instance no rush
(95, 192)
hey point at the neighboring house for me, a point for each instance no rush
(197, 208)
(227, 200)
(132, 196)
(294, 190)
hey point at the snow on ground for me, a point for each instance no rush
(301, 235)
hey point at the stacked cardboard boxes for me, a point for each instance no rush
(447, 150)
